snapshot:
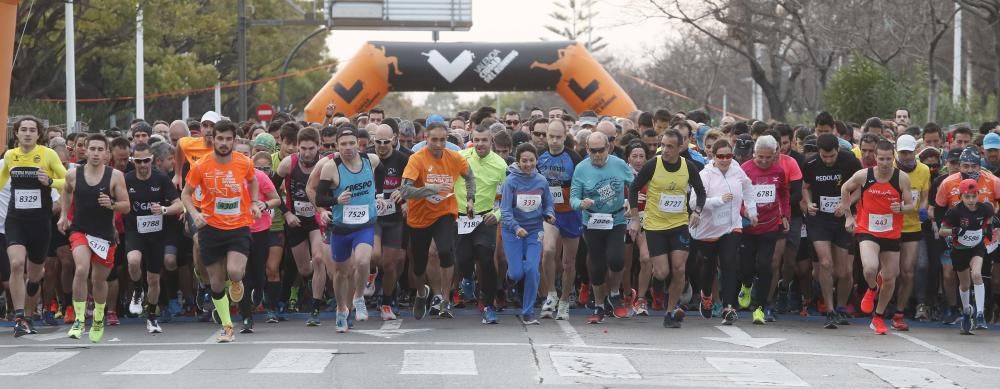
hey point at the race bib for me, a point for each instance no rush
(829, 204)
(27, 199)
(467, 224)
(971, 238)
(355, 214)
(916, 196)
(149, 223)
(557, 194)
(722, 216)
(803, 233)
(764, 194)
(227, 206)
(98, 246)
(671, 203)
(879, 223)
(601, 221)
(387, 207)
(528, 202)
(304, 208)
(990, 248)
(436, 198)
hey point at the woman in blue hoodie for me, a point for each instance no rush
(525, 204)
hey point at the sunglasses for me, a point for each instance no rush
(512, 122)
(539, 134)
(142, 160)
(724, 156)
(383, 142)
(598, 151)
(329, 145)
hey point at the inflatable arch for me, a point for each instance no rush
(379, 67)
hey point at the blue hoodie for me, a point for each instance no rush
(525, 200)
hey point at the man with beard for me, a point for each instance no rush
(228, 184)
(920, 182)
(302, 233)
(388, 252)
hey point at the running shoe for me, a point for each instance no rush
(717, 309)
(952, 316)
(468, 290)
(729, 316)
(76, 331)
(670, 320)
(981, 322)
(420, 302)
(563, 310)
(370, 283)
(313, 319)
(445, 311)
(247, 326)
(584, 295)
(868, 302)
(878, 325)
(69, 317)
(31, 327)
(387, 313)
(758, 316)
(967, 325)
(436, 304)
(781, 300)
(922, 313)
(640, 308)
(341, 323)
(769, 315)
(744, 297)
(597, 317)
(529, 319)
(153, 326)
(821, 305)
(842, 317)
(705, 308)
(489, 315)
(831, 321)
(49, 319)
(457, 300)
(135, 303)
(549, 307)
(618, 308)
(360, 310)
(236, 291)
(630, 302)
(112, 318)
(899, 322)
(679, 313)
(271, 317)
(96, 331)
(227, 335)
(350, 319)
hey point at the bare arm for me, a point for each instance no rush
(121, 204)
(315, 176)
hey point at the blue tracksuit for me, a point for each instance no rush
(525, 202)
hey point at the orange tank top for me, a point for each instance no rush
(875, 215)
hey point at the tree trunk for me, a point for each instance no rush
(932, 92)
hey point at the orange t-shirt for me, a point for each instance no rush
(423, 168)
(193, 148)
(226, 200)
(948, 194)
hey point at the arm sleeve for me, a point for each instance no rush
(379, 177)
(697, 185)
(645, 174)
(324, 197)
(56, 170)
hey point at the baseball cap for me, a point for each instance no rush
(435, 118)
(210, 116)
(908, 143)
(967, 185)
(970, 155)
(266, 140)
(991, 141)
(744, 144)
(954, 154)
(587, 121)
(346, 131)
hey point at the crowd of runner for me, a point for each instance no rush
(540, 213)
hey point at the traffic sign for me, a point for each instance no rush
(265, 112)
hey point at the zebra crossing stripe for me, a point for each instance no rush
(294, 361)
(439, 362)
(24, 363)
(909, 377)
(756, 372)
(150, 362)
(599, 365)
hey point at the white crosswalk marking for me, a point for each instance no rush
(598, 365)
(294, 361)
(440, 362)
(25, 363)
(759, 372)
(909, 377)
(155, 362)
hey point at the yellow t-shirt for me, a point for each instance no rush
(920, 183)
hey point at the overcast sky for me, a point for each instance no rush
(523, 21)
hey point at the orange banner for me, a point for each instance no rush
(8, 24)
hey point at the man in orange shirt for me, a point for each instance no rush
(228, 184)
(428, 182)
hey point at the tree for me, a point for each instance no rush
(575, 19)
(865, 88)
(189, 44)
(989, 11)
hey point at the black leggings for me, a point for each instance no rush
(756, 252)
(443, 231)
(255, 274)
(607, 252)
(726, 251)
(477, 248)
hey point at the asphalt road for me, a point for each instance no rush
(634, 352)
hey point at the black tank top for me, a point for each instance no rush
(299, 202)
(29, 198)
(88, 216)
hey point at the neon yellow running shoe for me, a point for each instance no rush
(758, 316)
(96, 331)
(76, 331)
(744, 297)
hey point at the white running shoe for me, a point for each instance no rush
(563, 310)
(135, 304)
(361, 311)
(153, 326)
(548, 307)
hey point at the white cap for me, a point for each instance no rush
(906, 143)
(210, 116)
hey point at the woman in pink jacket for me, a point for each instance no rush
(717, 231)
